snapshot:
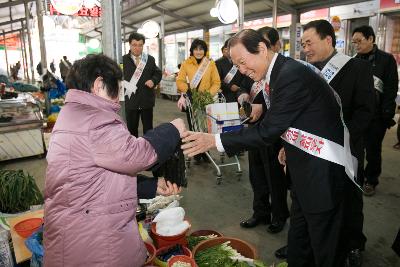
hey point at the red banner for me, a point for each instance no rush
(13, 42)
(390, 4)
(83, 12)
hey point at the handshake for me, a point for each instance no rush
(193, 143)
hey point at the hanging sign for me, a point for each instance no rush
(80, 8)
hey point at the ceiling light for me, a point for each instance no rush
(150, 29)
(214, 12)
(228, 11)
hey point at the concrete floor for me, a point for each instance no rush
(222, 207)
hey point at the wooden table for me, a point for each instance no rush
(22, 253)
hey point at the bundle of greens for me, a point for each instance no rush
(194, 240)
(225, 256)
(200, 99)
(18, 191)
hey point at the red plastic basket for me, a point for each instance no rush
(181, 258)
(162, 241)
(26, 227)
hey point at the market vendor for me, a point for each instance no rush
(91, 186)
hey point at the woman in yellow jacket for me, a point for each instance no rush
(206, 79)
(210, 80)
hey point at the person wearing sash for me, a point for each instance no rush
(141, 76)
(229, 75)
(305, 112)
(384, 69)
(354, 85)
(198, 72)
(64, 66)
(266, 175)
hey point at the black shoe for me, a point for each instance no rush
(253, 222)
(276, 227)
(354, 258)
(281, 253)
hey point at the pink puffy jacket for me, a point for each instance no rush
(90, 190)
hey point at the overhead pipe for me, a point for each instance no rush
(5, 52)
(28, 30)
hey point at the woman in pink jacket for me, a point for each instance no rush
(91, 190)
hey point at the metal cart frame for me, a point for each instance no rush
(200, 115)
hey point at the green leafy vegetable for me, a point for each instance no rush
(18, 191)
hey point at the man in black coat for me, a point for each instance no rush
(139, 102)
(302, 102)
(230, 76)
(384, 69)
(267, 177)
(354, 85)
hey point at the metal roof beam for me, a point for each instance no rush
(282, 6)
(174, 15)
(136, 9)
(324, 4)
(11, 21)
(14, 3)
(12, 31)
(129, 26)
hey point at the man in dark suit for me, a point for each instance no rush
(141, 75)
(354, 85)
(384, 69)
(302, 102)
(230, 76)
(267, 177)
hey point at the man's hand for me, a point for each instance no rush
(181, 103)
(196, 143)
(180, 126)
(282, 157)
(166, 188)
(256, 112)
(234, 88)
(243, 97)
(149, 84)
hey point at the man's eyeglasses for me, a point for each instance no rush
(357, 41)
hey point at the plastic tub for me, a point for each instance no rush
(181, 258)
(244, 248)
(159, 251)
(152, 254)
(163, 241)
(26, 227)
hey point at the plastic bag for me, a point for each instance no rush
(34, 244)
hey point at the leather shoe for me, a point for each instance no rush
(281, 253)
(275, 227)
(253, 222)
(354, 258)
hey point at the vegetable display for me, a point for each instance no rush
(18, 191)
(194, 240)
(224, 255)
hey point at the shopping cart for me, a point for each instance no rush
(198, 119)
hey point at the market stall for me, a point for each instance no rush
(21, 123)
(168, 87)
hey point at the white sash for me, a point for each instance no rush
(199, 73)
(131, 86)
(255, 89)
(229, 76)
(378, 84)
(65, 63)
(322, 147)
